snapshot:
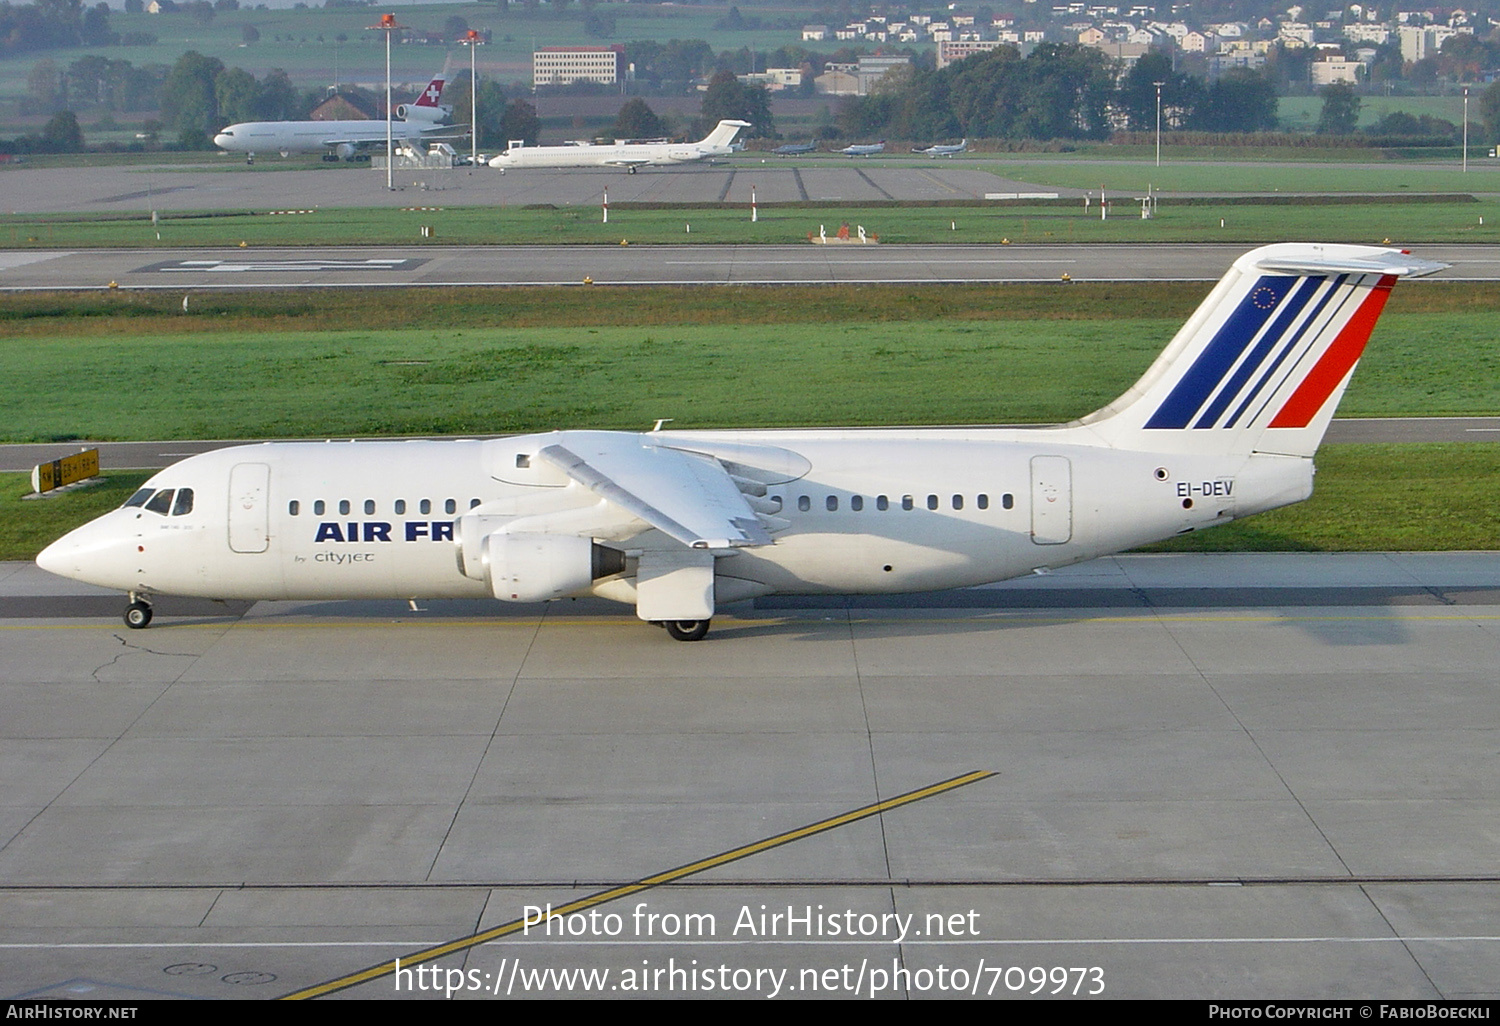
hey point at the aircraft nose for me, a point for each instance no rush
(99, 552)
(54, 558)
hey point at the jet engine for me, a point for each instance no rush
(526, 567)
(411, 112)
(345, 151)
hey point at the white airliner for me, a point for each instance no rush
(864, 149)
(414, 123)
(629, 155)
(943, 151)
(1222, 425)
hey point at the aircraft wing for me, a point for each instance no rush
(400, 135)
(350, 142)
(687, 496)
(624, 162)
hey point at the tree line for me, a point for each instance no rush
(1057, 91)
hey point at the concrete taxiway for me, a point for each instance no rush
(225, 183)
(352, 266)
(1228, 776)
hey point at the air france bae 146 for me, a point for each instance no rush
(1223, 424)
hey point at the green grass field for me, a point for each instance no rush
(1217, 171)
(1458, 220)
(1300, 113)
(480, 361)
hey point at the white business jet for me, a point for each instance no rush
(1224, 424)
(629, 155)
(414, 123)
(943, 151)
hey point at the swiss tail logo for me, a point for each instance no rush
(1309, 330)
(430, 96)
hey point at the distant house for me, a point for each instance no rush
(347, 105)
(949, 52)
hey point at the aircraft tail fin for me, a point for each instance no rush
(1263, 362)
(428, 105)
(724, 133)
(431, 96)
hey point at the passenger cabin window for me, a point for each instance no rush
(983, 501)
(294, 507)
(139, 498)
(473, 503)
(856, 502)
(400, 507)
(343, 507)
(424, 507)
(882, 503)
(184, 503)
(1008, 501)
(804, 503)
(161, 502)
(319, 507)
(932, 502)
(369, 507)
(958, 502)
(832, 502)
(451, 506)
(907, 503)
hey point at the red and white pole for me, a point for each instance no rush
(754, 210)
(606, 206)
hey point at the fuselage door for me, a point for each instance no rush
(249, 507)
(1051, 500)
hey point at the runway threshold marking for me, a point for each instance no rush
(374, 972)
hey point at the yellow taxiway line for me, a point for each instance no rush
(374, 972)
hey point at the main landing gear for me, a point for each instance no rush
(685, 630)
(138, 613)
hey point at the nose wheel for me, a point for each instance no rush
(137, 614)
(686, 630)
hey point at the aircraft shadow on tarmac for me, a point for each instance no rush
(1337, 616)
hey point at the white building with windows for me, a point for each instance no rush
(561, 65)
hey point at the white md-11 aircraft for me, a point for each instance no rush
(629, 155)
(414, 123)
(1222, 425)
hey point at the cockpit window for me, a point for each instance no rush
(139, 498)
(161, 502)
(184, 503)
